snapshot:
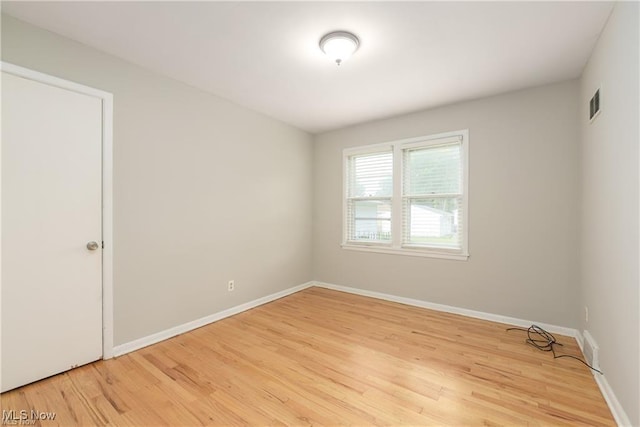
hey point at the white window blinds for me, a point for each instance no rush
(369, 192)
(408, 197)
(432, 196)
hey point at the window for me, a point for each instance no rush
(369, 197)
(408, 197)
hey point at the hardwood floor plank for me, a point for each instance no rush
(322, 357)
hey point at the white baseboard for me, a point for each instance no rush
(580, 340)
(455, 310)
(189, 326)
(615, 407)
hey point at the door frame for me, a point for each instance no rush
(107, 188)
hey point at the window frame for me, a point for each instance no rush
(369, 149)
(397, 148)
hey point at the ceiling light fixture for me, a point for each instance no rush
(339, 45)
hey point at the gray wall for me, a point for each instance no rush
(195, 202)
(609, 269)
(523, 208)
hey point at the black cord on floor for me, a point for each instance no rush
(544, 341)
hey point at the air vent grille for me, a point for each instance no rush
(594, 105)
(590, 350)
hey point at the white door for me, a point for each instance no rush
(51, 209)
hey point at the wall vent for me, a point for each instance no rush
(590, 350)
(594, 105)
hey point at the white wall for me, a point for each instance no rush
(610, 255)
(204, 190)
(523, 208)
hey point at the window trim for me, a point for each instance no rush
(396, 246)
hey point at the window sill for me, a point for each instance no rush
(427, 253)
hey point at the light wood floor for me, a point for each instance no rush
(328, 358)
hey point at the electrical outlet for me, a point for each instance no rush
(586, 314)
(231, 286)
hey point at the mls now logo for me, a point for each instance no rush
(24, 417)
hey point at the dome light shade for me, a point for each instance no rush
(339, 45)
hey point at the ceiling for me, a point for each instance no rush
(265, 55)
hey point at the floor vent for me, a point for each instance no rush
(590, 350)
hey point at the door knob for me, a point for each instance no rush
(92, 246)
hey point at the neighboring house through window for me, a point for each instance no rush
(409, 196)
